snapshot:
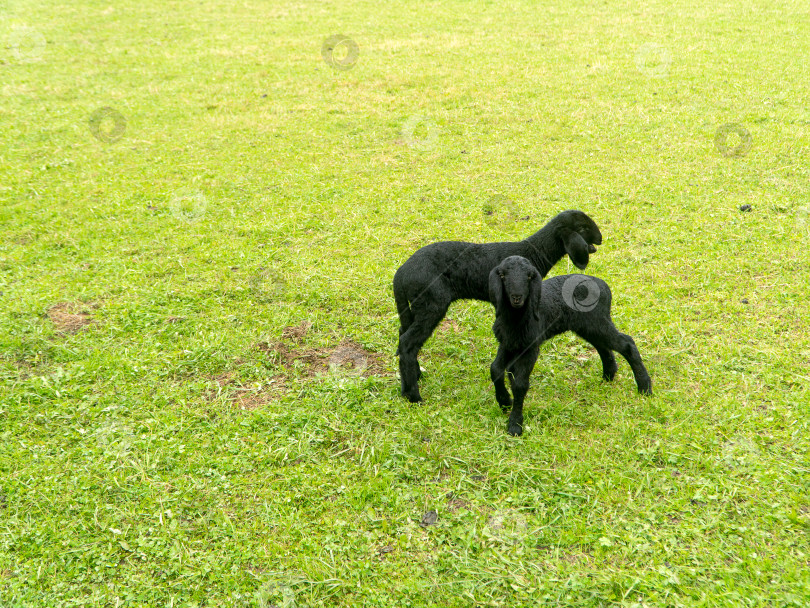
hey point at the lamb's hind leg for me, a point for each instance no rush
(608, 362)
(608, 338)
(626, 346)
(425, 320)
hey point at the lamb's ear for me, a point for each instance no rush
(577, 249)
(535, 294)
(495, 289)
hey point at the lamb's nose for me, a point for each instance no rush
(517, 301)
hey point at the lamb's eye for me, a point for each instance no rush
(529, 277)
(500, 274)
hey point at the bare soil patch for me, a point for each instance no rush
(450, 325)
(348, 356)
(249, 399)
(291, 354)
(69, 317)
(297, 333)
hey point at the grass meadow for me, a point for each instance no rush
(202, 205)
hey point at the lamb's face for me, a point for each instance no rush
(587, 229)
(516, 274)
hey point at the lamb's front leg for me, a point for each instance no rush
(496, 372)
(521, 369)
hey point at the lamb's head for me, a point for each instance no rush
(515, 282)
(579, 234)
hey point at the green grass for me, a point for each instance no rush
(170, 453)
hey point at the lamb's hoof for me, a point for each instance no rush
(608, 377)
(515, 430)
(645, 388)
(413, 398)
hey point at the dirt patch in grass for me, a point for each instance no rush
(286, 356)
(290, 354)
(454, 504)
(253, 399)
(347, 357)
(297, 333)
(24, 368)
(350, 356)
(69, 317)
(246, 397)
(224, 379)
(385, 550)
(24, 238)
(449, 325)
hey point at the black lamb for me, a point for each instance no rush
(439, 273)
(529, 311)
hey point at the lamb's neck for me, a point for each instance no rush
(544, 249)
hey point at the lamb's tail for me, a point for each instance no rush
(403, 306)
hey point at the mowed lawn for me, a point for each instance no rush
(202, 205)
